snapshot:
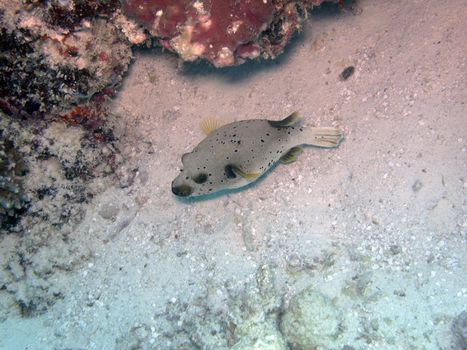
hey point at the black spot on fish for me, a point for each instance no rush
(229, 172)
(200, 178)
(262, 140)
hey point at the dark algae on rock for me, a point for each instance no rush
(13, 201)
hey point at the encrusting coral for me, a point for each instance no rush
(224, 32)
(54, 55)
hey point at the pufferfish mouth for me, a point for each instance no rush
(182, 190)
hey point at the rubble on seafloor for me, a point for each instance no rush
(248, 320)
(255, 316)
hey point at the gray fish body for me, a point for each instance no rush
(236, 154)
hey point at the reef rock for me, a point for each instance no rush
(311, 321)
(13, 200)
(57, 54)
(224, 32)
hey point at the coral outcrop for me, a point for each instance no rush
(224, 32)
(48, 172)
(57, 54)
(311, 321)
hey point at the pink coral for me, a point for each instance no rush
(224, 32)
(219, 31)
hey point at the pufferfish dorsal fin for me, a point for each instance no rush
(291, 155)
(233, 171)
(208, 125)
(291, 120)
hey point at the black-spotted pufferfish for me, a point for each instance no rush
(237, 154)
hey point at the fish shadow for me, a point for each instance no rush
(245, 71)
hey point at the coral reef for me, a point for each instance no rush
(59, 60)
(55, 55)
(311, 321)
(58, 54)
(48, 172)
(13, 201)
(224, 32)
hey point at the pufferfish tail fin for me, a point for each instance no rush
(326, 137)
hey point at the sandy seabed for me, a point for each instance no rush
(376, 226)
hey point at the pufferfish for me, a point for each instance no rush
(237, 154)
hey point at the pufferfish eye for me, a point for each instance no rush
(200, 178)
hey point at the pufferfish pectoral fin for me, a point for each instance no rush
(238, 172)
(208, 125)
(291, 155)
(291, 120)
